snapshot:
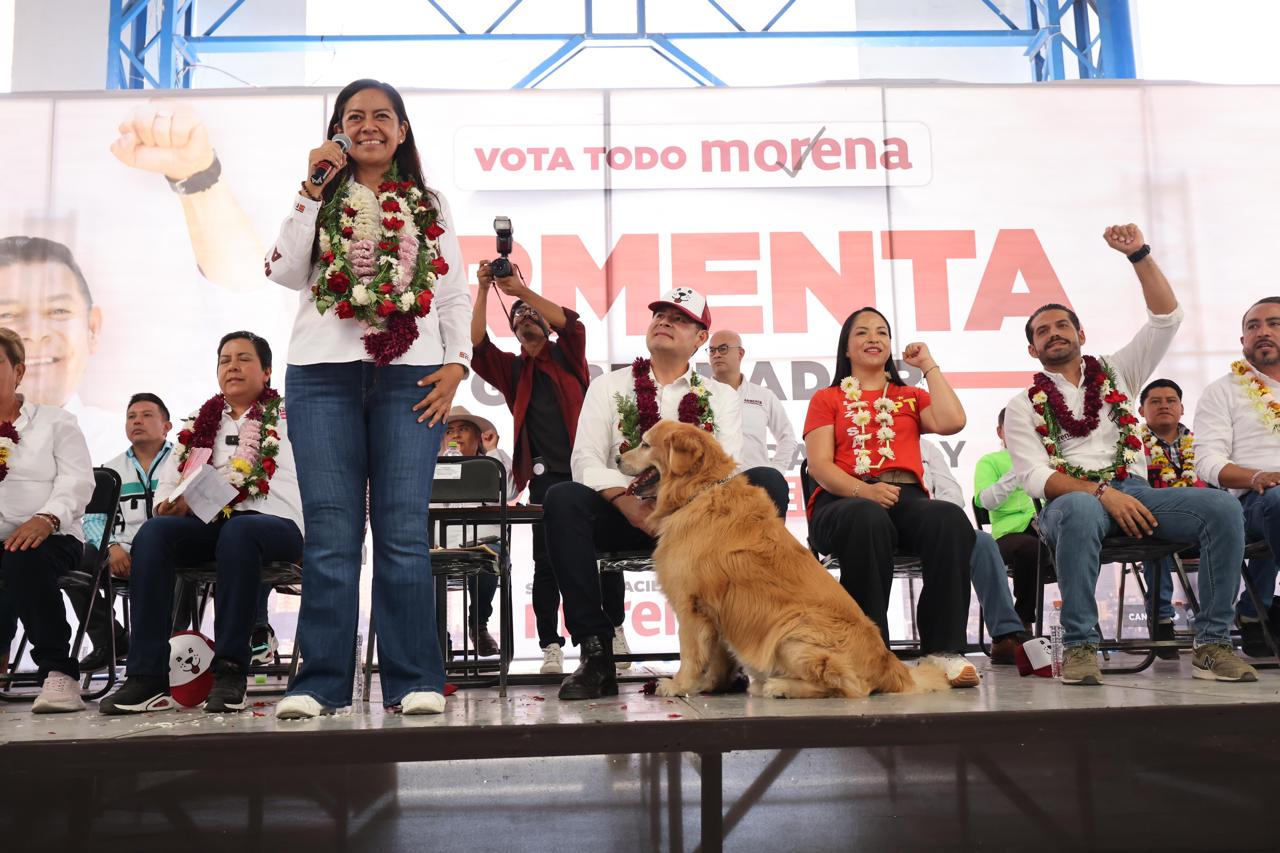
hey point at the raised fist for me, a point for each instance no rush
(166, 137)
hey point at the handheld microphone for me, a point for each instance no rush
(324, 167)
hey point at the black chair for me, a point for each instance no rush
(1122, 550)
(906, 567)
(482, 482)
(200, 583)
(636, 560)
(105, 498)
(1259, 550)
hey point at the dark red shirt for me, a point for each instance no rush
(563, 361)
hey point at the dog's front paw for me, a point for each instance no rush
(772, 689)
(669, 687)
(756, 687)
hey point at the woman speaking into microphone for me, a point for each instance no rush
(380, 342)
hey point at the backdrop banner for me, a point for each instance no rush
(954, 209)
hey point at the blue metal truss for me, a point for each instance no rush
(157, 43)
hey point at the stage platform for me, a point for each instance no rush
(1151, 760)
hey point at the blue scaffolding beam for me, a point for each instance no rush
(157, 43)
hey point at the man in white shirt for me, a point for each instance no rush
(476, 436)
(986, 566)
(762, 411)
(596, 511)
(263, 525)
(1237, 447)
(1074, 442)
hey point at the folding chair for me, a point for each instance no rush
(906, 567)
(105, 498)
(480, 480)
(1257, 551)
(1122, 550)
(637, 560)
(282, 576)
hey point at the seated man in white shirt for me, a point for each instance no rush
(1237, 447)
(986, 566)
(762, 411)
(241, 433)
(596, 512)
(476, 436)
(1074, 440)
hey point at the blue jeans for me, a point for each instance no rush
(1261, 521)
(991, 583)
(353, 428)
(1075, 524)
(240, 545)
(1165, 568)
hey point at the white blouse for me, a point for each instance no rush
(49, 471)
(444, 335)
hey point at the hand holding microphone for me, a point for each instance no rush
(325, 162)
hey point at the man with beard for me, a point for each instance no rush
(1074, 440)
(1237, 447)
(543, 387)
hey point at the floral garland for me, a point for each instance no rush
(379, 265)
(8, 443)
(858, 412)
(1259, 396)
(1053, 419)
(253, 463)
(636, 415)
(1158, 462)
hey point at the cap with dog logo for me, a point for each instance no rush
(687, 301)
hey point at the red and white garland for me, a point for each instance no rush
(253, 463)
(1053, 419)
(8, 444)
(1259, 394)
(380, 257)
(636, 415)
(858, 411)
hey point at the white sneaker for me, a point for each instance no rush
(552, 660)
(960, 673)
(620, 647)
(300, 707)
(59, 695)
(422, 702)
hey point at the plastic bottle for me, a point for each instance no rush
(1054, 618)
(357, 689)
(451, 449)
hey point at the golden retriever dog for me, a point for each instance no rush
(745, 590)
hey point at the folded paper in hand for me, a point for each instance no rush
(206, 491)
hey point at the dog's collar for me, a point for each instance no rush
(708, 488)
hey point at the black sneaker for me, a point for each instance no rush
(137, 695)
(97, 659)
(228, 689)
(1252, 641)
(1164, 631)
(263, 645)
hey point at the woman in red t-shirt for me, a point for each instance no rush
(862, 437)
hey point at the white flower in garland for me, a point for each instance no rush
(360, 295)
(1258, 394)
(859, 414)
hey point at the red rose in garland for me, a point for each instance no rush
(637, 414)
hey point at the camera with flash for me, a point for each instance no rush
(501, 265)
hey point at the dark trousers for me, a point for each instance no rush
(1019, 552)
(101, 620)
(864, 536)
(546, 593)
(31, 584)
(580, 523)
(240, 545)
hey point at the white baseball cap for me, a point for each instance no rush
(687, 301)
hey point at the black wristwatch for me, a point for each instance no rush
(200, 181)
(1140, 254)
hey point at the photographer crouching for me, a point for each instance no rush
(543, 385)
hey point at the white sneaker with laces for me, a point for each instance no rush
(422, 702)
(300, 707)
(552, 660)
(59, 695)
(620, 647)
(960, 673)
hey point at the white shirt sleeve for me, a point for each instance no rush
(1030, 462)
(1213, 441)
(939, 481)
(1137, 360)
(999, 491)
(73, 474)
(594, 442)
(452, 300)
(288, 261)
(784, 433)
(502, 456)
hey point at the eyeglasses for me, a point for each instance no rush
(722, 349)
(524, 310)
